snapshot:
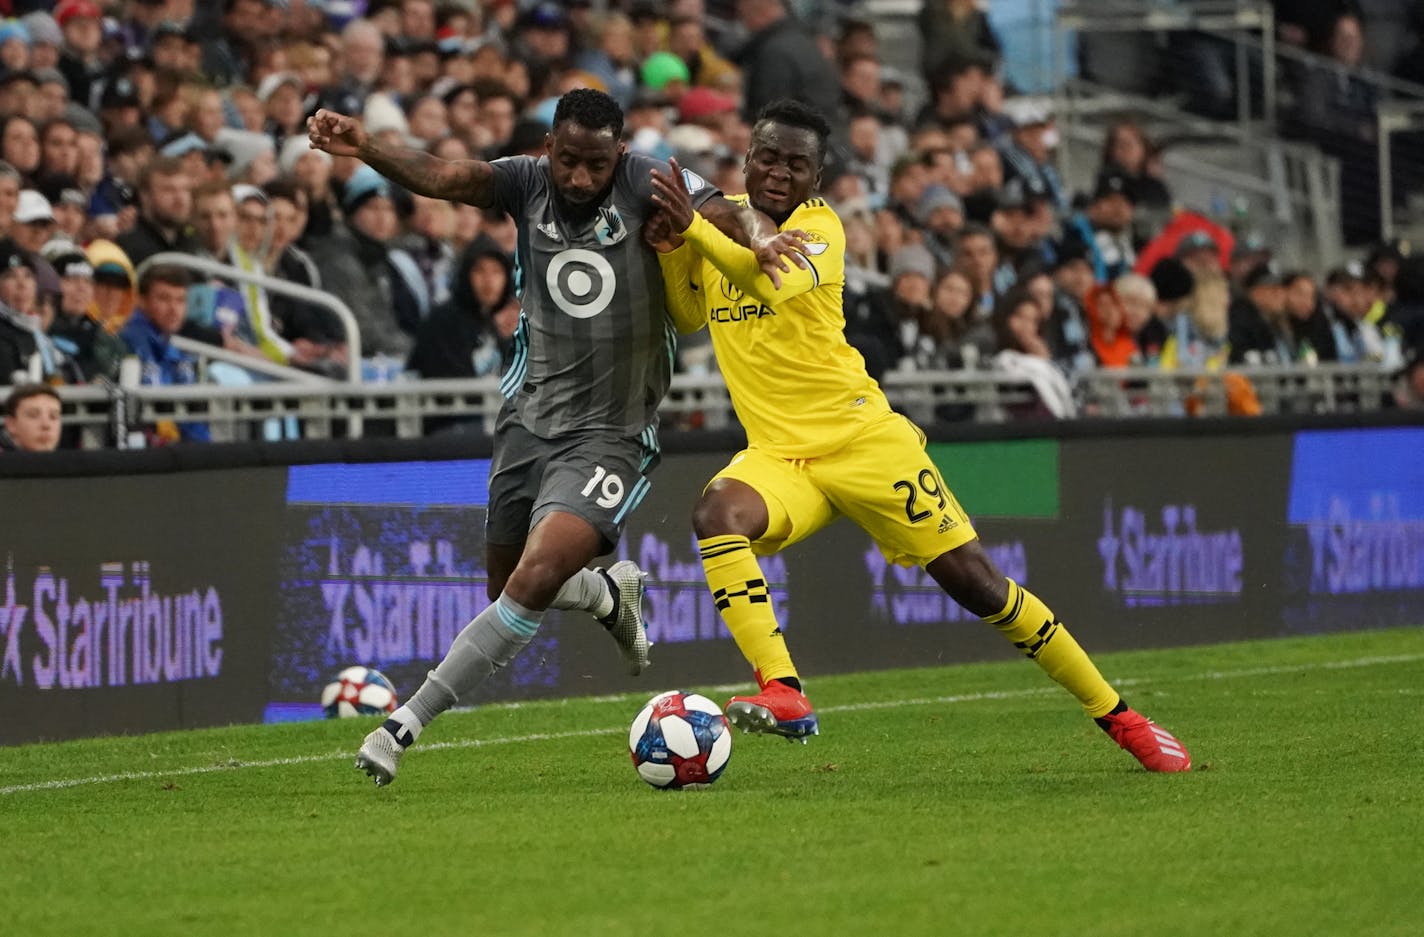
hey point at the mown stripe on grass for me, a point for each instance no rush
(1348, 663)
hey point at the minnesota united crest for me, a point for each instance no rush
(609, 229)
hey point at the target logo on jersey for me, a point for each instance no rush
(680, 740)
(581, 282)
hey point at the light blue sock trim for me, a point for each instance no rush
(524, 627)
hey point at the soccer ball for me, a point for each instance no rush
(358, 691)
(680, 740)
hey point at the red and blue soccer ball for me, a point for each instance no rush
(358, 691)
(680, 740)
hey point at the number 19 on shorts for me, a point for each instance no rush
(605, 488)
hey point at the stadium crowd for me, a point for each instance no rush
(130, 128)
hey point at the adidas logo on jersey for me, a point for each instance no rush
(550, 230)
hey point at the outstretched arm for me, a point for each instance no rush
(754, 230)
(455, 180)
(684, 302)
(737, 263)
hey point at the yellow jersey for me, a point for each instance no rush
(799, 388)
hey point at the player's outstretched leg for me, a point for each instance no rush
(486, 644)
(972, 579)
(615, 598)
(778, 709)
(728, 516)
(626, 622)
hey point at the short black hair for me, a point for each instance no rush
(590, 109)
(169, 274)
(794, 113)
(23, 392)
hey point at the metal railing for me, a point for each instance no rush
(272, 285)
(405, 408)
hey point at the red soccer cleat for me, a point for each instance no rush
(1149, 743)
(777, 710)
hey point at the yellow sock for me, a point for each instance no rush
(1028, 623)
(741, 594)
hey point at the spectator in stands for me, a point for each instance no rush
(1409, 389)
(956, 89)
(20, 145)
(1350, 292)
(1104, 228)
(165, 198)
(781, 60)
(471, 333)
(163, 304)
(1406, 313)
(32, 419)
(1118, 313)
(222, 311)
(1127, 151)
(955, 31)
(1017, 225)
(362, 60)
(282, 95)
(687, 39)
(115, 285)
(1028, 153)
(541, 36)
(10, 186)
(1199, 253)
(940, 215)
(28, 320)
(1314, 336)
(76, 330)
(912, 277)
(977, 257)
(610, 58)
(429, 225)
(316, 335)
(46, 39)
(380, 283)
(1383, 262)
(1198, 338)
(80, 61)
(962, 337)
(59, 158)
(1023, 353)
(1336, 110)
(33, 227)
(1068, 331)
(1173, 285)
(1260, 326)
(228, 53)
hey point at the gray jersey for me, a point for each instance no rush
(595, 345)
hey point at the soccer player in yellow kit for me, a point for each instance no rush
(823, 441)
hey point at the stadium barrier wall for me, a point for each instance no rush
(199, 586)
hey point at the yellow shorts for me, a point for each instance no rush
(883, 480)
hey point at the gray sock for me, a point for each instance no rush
(486, 644)
(586, 591)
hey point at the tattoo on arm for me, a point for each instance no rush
(455, 180)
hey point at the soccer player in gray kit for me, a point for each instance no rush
(577, 436)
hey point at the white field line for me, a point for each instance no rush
(62, 783)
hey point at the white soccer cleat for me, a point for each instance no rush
(628, 629)
(380, 756)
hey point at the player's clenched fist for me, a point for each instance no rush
(336, 133)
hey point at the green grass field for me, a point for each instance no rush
(974, 800)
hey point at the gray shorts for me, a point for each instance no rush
(597, 476)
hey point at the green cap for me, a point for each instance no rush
(663, 67)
